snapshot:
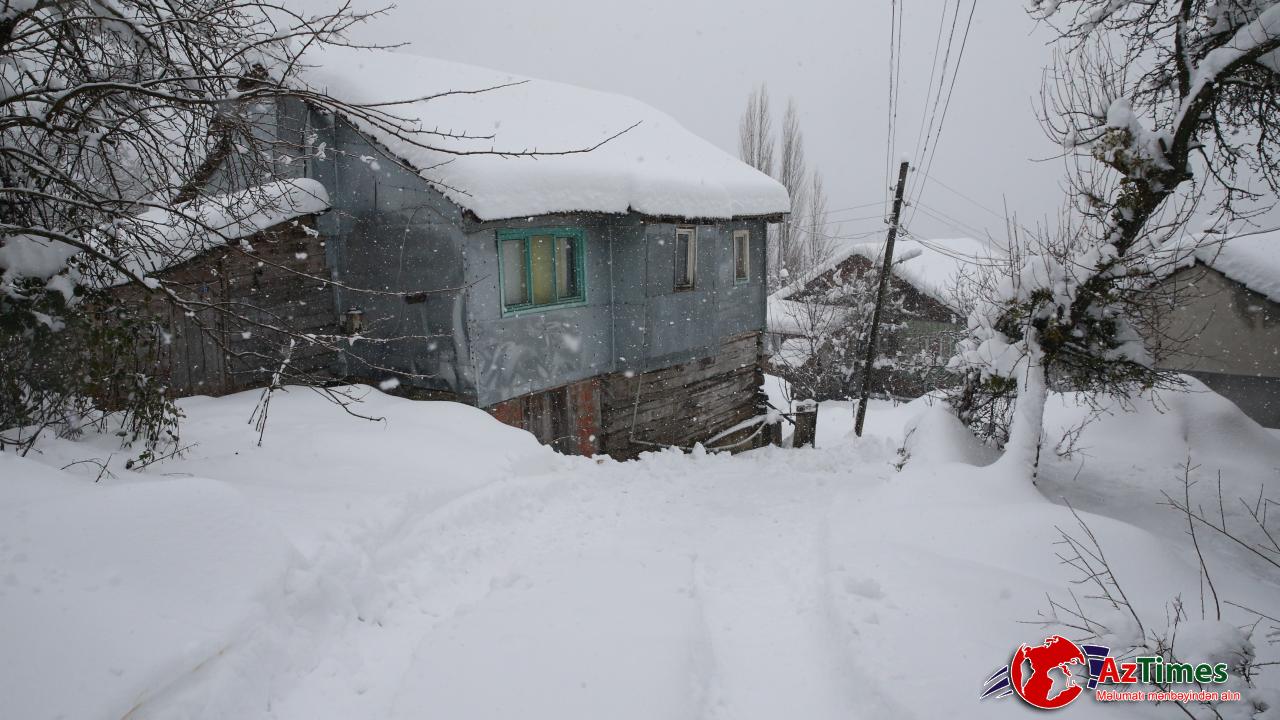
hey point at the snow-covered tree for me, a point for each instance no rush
(1159, 105)
(1057, 311)
(1173, 100)
(134, 133)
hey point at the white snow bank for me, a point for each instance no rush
(1251, 260)
(167, 588)
(112, 591)
(656, 167)
(935, 436)
(1126, 457)
(448, 566)
(962, 558)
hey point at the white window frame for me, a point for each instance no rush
(691, 261)
(746, 256)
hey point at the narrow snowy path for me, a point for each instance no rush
(481, 575)
(666, 588)
(674, 587)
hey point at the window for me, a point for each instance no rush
(540, 268)
(741, 256)
(686, 258)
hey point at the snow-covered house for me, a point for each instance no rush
(607, 301)
(1220, 319)
(924, 309)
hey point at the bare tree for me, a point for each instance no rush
(816, 235)
(134, 134)
(755, 131)
(794, 176)
(823, 318)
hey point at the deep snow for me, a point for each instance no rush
(439, 564)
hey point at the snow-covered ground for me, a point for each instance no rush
(437, 564)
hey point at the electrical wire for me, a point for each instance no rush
(892, 107)
(964, 43)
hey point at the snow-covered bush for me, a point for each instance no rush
(1054, 313)
(1213, 628)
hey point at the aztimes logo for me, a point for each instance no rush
(1055, 673)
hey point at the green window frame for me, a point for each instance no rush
(541, 269)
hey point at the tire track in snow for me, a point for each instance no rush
(767, 621)
(701, 581)
(402, 570)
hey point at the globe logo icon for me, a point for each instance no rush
(1034, 667)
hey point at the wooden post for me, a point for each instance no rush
(775, 433)
(885, 266)
(806, 424)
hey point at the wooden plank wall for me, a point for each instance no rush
(213, 354)
(624, 415)
(683, 404)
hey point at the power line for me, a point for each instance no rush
(970, 200)
(964, 43)
(957, 224)
(947, 220)
(975, 203)
(942, 81)
(895, 53)
(977, 260)
(855, 236)
(854, 207)
(933, 70)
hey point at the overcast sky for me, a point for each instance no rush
(698, 60)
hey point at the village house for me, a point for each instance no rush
(607, 301)
(1219, 319)
(815, 322)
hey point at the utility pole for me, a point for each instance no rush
(885, 266)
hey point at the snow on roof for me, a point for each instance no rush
(168, 237)
(931, 266)
(656, 168)
(1249, 259)
(160, 238)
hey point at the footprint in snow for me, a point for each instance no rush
(864, 587)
